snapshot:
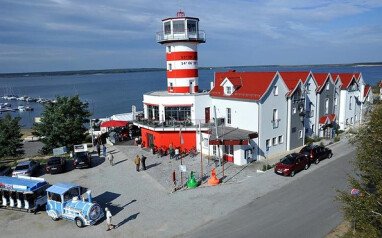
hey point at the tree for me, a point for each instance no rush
(10, 136)
(365, 209)
(62, 123)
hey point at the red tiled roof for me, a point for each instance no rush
(292, 79)
(346, 79)
(327, 119)
(321, 79)
(367, 90)
(253, 84)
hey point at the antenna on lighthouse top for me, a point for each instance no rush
(180, 13)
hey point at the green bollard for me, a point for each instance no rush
(191, 182)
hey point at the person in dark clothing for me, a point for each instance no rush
(137, 162)
(143, 161)
(98, 149)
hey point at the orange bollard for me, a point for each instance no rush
(213, 180)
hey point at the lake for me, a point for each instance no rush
(109, 94)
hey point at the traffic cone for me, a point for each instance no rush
(213, 180)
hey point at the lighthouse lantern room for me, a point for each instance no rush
(181, 36)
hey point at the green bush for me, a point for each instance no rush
(336, 139)
(267, 167)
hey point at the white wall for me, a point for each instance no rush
(311, 97)
(266, 130)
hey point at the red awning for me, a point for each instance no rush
(228, 142)
(113, 123)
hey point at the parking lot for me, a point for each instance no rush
(142, 204)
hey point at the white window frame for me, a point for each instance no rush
(268, 143)
(228, 90)
(274, 141)
(326, 105)
(300, 133)
(169, 67)
(327, 86)
(281, 139)
(229, 116)
(275, 90)
(294, 110)
(350, 106)
(169, 48)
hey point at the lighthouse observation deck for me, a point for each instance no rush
(180, 28)
(199, 37)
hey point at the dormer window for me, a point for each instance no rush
(327, 86)
(228, 90)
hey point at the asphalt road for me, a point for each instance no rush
(303, 208)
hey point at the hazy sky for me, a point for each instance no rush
(50, 35)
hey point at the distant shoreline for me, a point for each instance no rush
(136, 70)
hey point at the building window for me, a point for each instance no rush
(350, 102)
(281, 139)
(228, 149)
(228, 90)
(177, 113)
(312, 128)
(327, 86)
(327, 105)
(171, 87)
(347, 121)
(274, 141)
(335, 101)
(294, 110)
(351, 120)
(268, 143)
(153, 112)
(294, 129)
(275, 115)
(214, 152)
(169, 67)
(191, 26)
(228, 115)
(275, 90)
(167, 28)
(355, 118)
(178, 26)
(300, 133)
(169, 49)
(307, 87)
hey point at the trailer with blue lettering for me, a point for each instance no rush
(23, 193)
(64, 201)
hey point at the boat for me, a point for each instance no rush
(21, 108)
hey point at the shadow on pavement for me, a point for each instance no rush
(152, 165)
(97, 161)
(120, 161)
(132, 217)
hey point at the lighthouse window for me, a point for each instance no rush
(167, 28)
(153, 112)
(191, 26)
(178, 26)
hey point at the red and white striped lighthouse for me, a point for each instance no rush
(181, 37)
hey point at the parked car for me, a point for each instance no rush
(316, 153)
(29, 168)
(55, 165)
(5, 170)
(82, 160)
(291, 164)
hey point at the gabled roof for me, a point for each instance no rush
(321, 79)
(327, 119)
(293, 79)
(346, 79)
(235, 81)
(253, 84)
(367, 90)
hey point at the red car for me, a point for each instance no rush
(291, 164)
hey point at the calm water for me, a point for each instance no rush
(109, 94)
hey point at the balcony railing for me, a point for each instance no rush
(173, 123)
(200, 36)
(275, 123)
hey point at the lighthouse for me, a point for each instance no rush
(174, 117)
(181, 36)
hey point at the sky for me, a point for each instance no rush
(59, 35)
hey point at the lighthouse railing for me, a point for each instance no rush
(200, 37)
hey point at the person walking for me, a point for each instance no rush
(110, 157)
(98, 149)
(137, 162)
(104, 150)
(143, 161)
(108, 220)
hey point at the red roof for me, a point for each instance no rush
(292, 79)
(113, 123)
(367, 90)
(346, 79)
(321, 79)
(253, 85)
(327, 119)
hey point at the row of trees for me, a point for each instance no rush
(62, 124)
(364, 207)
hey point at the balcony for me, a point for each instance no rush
(275, 123)
(200, 37)
(172, 125)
